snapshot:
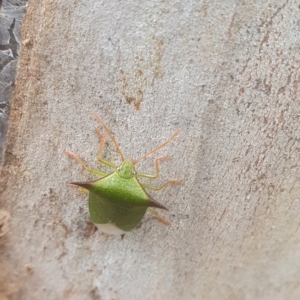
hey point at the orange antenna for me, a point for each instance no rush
(157, 148)
(110, 135)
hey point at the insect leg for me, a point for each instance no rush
(155, 175)
(158, 217)
(110, 135)
(152, 187)
(102, 142)
(80, 161)
(157, 148)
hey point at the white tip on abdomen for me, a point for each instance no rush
(110, 228)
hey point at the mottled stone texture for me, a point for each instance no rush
(224, 72)
(11, 12)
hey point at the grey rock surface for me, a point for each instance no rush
(11, 13)
(226, 73)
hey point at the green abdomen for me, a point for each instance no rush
(116, 200)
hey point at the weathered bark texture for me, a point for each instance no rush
(227, 74)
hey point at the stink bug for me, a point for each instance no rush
(118, 201)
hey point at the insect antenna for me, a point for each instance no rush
(157, 148)
(110, 135)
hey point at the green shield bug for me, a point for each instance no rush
(118, 201)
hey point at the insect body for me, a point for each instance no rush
(118, 201)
